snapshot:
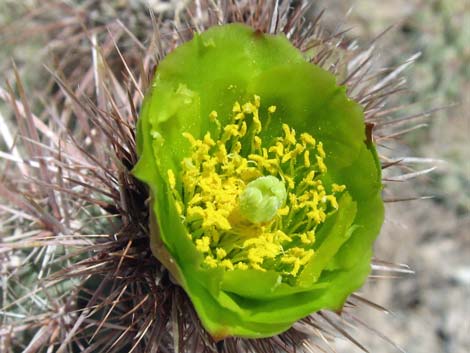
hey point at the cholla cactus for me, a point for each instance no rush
(257, 144)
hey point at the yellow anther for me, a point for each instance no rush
(171, 179)
(221, 153)
(257, 123)
(227, 264)
(308, 179)
(265, 153)
(242, 266)
(261, 248)
(243, 168)
(281, 237)
(239, 116)
(220, 253)
(272, 109)
(202, 245)
(292, 155)
(231, 130)
(286, 157)
(214, 235)
(311, 236)
(297, 257)
(299, 148)
(195, 212)
(283, 211)
(307, 139)
(321, 164)
(248, 173)
(257, 267)
(292, 198)
(190, 138)
(260, 160)
(290, 182)
(208, 140)
(257, 101)
(215, 217)
(318, 216)
(289, 134)
(210, 261)
(179, 207)
(236, 108)
(213, 115)
(197, 198)
(257, 142)
(248, 108)
(307, 158)
(332, 200)
(307, 237)
(243, 129)
(278, 149)
(321, 151)
(237, 147)
(213, 118)
(338, 188)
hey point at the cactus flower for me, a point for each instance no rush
(265, 190)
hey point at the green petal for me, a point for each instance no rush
(310, 101)
(220, 63)
(364, 184)
(334, 233)
(222, 322)
(294, 307)
(261, 284)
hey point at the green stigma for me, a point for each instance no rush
(262, 198)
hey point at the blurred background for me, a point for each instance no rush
(430, 309)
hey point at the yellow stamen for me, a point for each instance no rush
(236, 108)
(171, 179)
(213, 115)
(338, 188)
(219, 169)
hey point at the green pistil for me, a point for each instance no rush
(262, 198)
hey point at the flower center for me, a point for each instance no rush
(249, 205)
